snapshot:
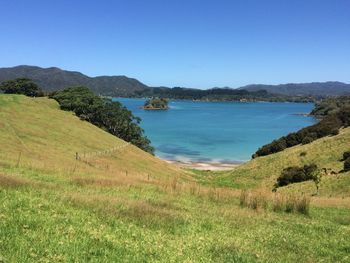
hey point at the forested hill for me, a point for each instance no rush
(321, 89)
(51, 79)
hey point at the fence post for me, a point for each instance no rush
(19, 159)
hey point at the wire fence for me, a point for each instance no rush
(89, 155)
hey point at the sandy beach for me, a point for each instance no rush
(203, 166)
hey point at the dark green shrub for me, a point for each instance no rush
(334, 132)
(344, 116)
(292, 139)
(346, 155)
(302, 154)
(295, 174)
(307, 140)
(347, 165)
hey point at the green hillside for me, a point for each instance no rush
(39, 135)
(116, 203)
(326, 153)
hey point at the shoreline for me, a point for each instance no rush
(205, 166)
(218, 100)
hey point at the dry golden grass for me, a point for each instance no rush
(338, 202)
(289, 203)
(12, 181)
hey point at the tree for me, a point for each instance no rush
(23, 86)
(347, 165)
(346, 155)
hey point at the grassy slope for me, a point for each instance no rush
(326, 153)
(54, 208)
(48, 138)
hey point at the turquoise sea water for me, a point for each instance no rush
(217, 131)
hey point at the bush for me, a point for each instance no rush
(347, 165)
(295, 174)
(292, 139)
(21, 86)
(307, 140)
(334, 132)
(302, 154)
(344, 116)
(346, 155)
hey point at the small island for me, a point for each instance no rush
(156, 104)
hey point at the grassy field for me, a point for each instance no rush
(124, 205)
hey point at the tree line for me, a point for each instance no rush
(23, 86)
(218, 94)
(330, 105)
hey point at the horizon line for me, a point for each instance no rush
(177, 86)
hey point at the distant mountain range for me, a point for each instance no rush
(329, 88)
(50, 79)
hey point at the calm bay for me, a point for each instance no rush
(224, 132)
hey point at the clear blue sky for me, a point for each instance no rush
(192, 43)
